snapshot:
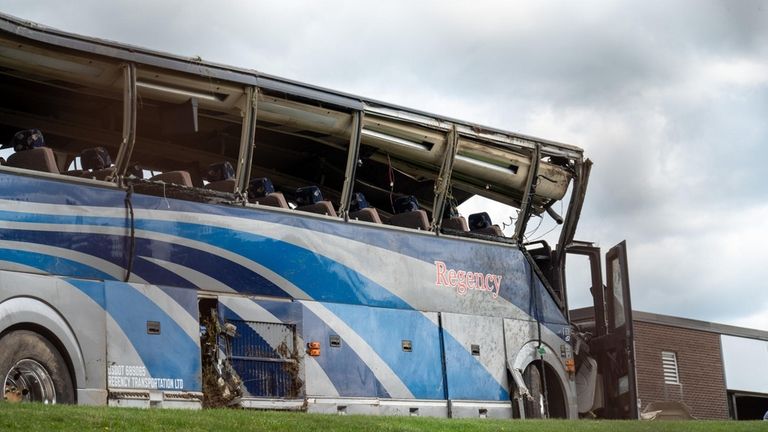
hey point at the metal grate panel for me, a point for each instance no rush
(264, 355)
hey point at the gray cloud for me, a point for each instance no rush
(668, 98)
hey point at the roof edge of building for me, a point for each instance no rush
(585, 314)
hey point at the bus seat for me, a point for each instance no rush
(479, 220)
(220, 177)
(368, 214)
(262, 192)
(452, 220)
(227, 185)
(275, 199)
(218, 172)
(408, 214)
(95, 159)
(360, 210)
(38, 159)
(322, 207)
(310, 199)
(456, 223)
(480, 223)
(175, 177)
(96, 163)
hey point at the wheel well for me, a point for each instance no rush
(47, 334)
(557, 404)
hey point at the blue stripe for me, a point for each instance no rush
(94, 290)
(321, 278)
(549, 311)
(52, 264)
(287, 312)
(227, 272)
(184, 297)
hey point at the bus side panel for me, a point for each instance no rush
(476, 366)
(153, 342)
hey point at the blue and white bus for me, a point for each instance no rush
(177, 233)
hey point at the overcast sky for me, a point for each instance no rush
(668, 98)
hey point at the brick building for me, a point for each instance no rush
(718, 371)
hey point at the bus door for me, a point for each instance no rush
(613, 343)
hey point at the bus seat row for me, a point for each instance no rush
(96, 164)
(38, 159)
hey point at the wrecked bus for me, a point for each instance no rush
(177, 233)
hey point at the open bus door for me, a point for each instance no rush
(612, 346)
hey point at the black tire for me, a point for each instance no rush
(21, 345)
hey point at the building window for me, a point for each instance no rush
(669, 365)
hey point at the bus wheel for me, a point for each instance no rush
(33, 370)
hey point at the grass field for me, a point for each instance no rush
(30, 417)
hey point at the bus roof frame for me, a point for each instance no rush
(251, 77)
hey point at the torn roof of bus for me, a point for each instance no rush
(303, 131)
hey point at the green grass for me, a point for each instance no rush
(31, 417)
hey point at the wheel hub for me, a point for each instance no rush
(28, 381)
